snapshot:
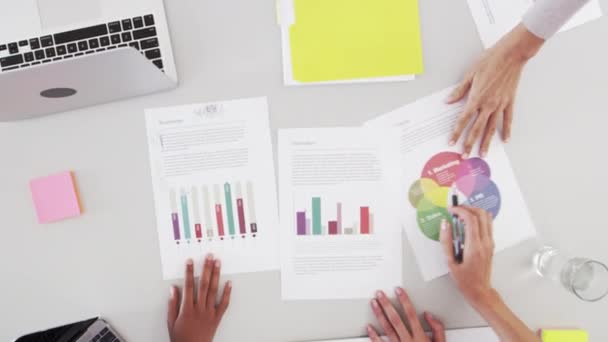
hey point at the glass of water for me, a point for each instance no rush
(586, 278)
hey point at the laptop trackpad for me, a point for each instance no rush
(59, 13)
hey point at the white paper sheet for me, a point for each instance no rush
(426, 126)
(456, 335)
(495, 18)
(340, 230)
(214, 185)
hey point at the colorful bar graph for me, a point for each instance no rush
(339, 214)
(175, 219)
(364, 213)
(185, 215)
(240, 209)
(362, 223)
(192, 209)
(207, 212)
(316, 216)
(241, 212)
(198, 229)
(251, 207)
(174, 216)
(229, 209)
(333, 227)
(301, 222)
(219, 216)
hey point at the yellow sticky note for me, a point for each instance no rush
(564, 336)
(352, 39)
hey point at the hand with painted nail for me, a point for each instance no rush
(394, 327)
(472, 276)
(491, 86)
(196, 317)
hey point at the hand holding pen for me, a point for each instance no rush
(472, 276)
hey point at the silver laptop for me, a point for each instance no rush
(90, 330)
(58, 55)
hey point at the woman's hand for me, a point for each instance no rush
(491, 85)
(197, 318)
(393, 325)
(472, 276)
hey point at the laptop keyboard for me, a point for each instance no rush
(138, 33)
(105, 336)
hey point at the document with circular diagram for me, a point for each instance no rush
(433, 172)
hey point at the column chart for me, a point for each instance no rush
(325, 222)
(213, 212)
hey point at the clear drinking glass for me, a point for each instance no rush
(586, 278)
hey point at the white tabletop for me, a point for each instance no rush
(107, 262)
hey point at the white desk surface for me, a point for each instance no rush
(107, 262)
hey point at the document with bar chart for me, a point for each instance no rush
(214, 185)
(340, 230)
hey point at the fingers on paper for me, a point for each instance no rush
(489, 134)
(172, 307)
(436, 327)
(410, 312)
(446, 238)
(188, 295)
(383, 321)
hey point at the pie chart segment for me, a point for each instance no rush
(443, 168)
(474, 167)
(487, 198)
(429, 218)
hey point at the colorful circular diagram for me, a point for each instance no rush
(447, 174)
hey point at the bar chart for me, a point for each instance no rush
(213, 212)
(321, 221)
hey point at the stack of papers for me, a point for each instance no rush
(458, 335)
(329, 41)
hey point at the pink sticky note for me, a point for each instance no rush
(55, 197)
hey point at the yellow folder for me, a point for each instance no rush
(564, 336)
(353, 39)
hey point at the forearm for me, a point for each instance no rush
(546, 17)
(504, 322)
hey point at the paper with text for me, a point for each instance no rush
(340, 232)
(434, 172)
(214, 185)
(495, 18)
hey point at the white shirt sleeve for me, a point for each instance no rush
(546, 17)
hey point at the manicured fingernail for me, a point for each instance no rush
(229, 283)
(172, 291)
(189, 262)
(507, 140)
(369, 330)
(483, 154)
(444, 224)
(429, 316)
(465, 155)
(374, 303)
(399, 291)
(218, 263)
(209, 256)
(379, 294)
(452, 143)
